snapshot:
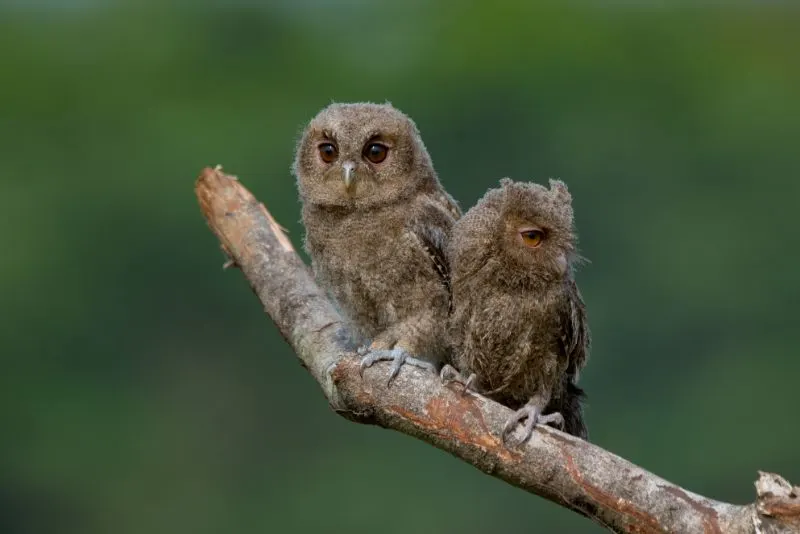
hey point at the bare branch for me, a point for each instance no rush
(559, 467)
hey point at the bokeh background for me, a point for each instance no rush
(143, 390)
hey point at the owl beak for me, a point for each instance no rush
(348, 174)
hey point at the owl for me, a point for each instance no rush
(377, 221)
(518, 325)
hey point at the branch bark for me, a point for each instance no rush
(561, 468)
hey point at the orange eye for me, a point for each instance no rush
(532, 238)
(328, 152)
(376, 152)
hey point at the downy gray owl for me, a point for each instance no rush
(377, 222)
(518, 325)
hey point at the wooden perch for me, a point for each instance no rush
(566, 470)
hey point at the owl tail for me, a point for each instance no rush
(570, 405)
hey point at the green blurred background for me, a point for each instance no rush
(143, 390)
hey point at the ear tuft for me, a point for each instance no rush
(560, 190)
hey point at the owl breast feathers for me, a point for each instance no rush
(377, 222)
(518, 321)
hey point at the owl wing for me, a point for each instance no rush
(431, 231)
(448, 204)
(575, 336)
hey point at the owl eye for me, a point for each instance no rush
(376, 152)
(328, 152)
(532, 238)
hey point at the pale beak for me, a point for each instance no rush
(348, 174)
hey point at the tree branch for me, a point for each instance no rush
(561, 468)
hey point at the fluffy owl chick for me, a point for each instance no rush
(518, 325)
(377, 221)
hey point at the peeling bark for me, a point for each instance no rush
(561, 468)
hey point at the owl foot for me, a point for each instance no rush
(449, 374)
(398, 357)
(533, 416)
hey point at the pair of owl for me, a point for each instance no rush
(491, 292)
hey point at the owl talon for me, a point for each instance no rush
(450, 374)
(552, 419)
(468, 384)
(532, 415)
(398, 357)
(367, 359)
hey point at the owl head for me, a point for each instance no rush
(526, 227)
(361, 155)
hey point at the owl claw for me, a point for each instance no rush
(450, 374)
(398, 357)
(532, 415)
